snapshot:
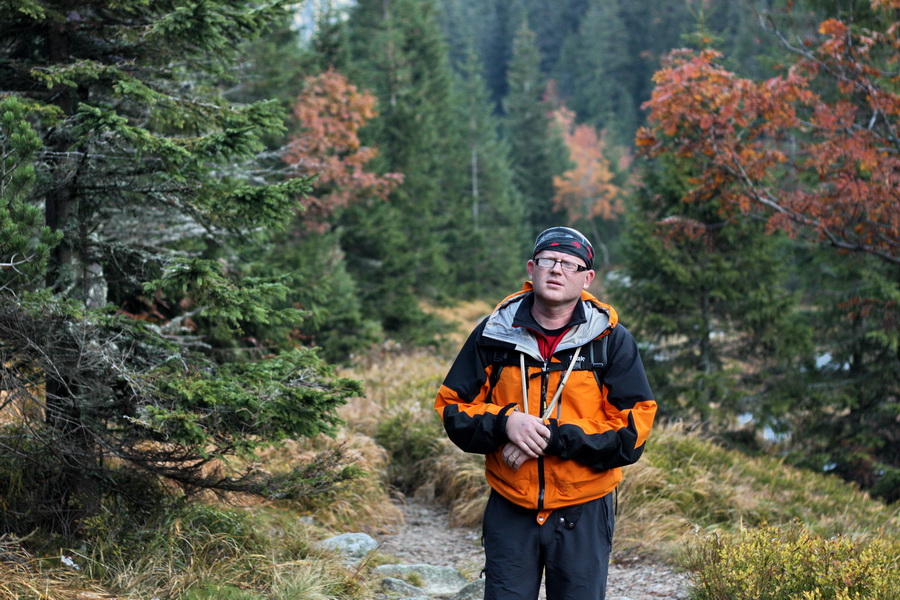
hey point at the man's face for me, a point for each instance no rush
(555, 286)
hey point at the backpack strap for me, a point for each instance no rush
(498, 361)
(596, 362)
(598, 358)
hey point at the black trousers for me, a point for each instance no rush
(572, 548)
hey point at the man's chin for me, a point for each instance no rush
(554, 297)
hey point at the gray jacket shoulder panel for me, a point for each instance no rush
(499, 327)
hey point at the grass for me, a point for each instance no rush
(359, 505)
(22, 576)
(687, 498)
(686, 484)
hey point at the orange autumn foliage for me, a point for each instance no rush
(330, 112)
(586, 191)
(817, 150)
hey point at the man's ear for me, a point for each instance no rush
(589, 277)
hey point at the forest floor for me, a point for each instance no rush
(427, 538)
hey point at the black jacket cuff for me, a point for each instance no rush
(503, 417)
(555, 446)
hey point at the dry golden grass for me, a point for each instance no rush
(201, 558)
(24, 576)
(306, 581)
(462, 319)
(362, 504)
(456, 479)
(393, 381)
(399, 381)
(22, 405)
(265, 550)
(686, 484)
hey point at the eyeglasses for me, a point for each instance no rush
(549, 263)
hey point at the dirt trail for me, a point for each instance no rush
(426, 538)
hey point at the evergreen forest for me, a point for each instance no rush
(212, 210)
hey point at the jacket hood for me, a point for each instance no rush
(600, 318)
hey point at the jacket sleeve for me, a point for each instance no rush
(628, 410)
(471, 422)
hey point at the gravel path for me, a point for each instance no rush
(427, 538)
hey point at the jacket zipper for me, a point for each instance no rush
(545, 379)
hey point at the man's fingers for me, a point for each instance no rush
(535, 448)
(511, 455)
(508, 451)
(528, 434)
(514, 456)
(520, 426)
(537, 439)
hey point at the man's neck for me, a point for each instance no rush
(552, 317)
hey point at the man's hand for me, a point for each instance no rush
(528, 437)
(513, 456)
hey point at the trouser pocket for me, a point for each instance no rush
(568, 517)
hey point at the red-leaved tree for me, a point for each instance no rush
(816, 150)
(330, 112)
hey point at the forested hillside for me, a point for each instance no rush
(204, 214)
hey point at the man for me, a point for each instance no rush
(532, 391)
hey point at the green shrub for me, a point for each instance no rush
(770, 563)
(221, 592)
(410, 436)
(30, 481)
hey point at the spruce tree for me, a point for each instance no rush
(25, 242)
(146, 174)
(654, 28)
(283, 66)
(596, 73)
(536, 148)
(501, 21)
(707, 293)
(554, 23)
(399, 247)
(840, 413)
(489, 241)
(465, 24)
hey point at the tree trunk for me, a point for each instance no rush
(78, 495)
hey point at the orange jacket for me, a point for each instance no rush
(594, 431)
